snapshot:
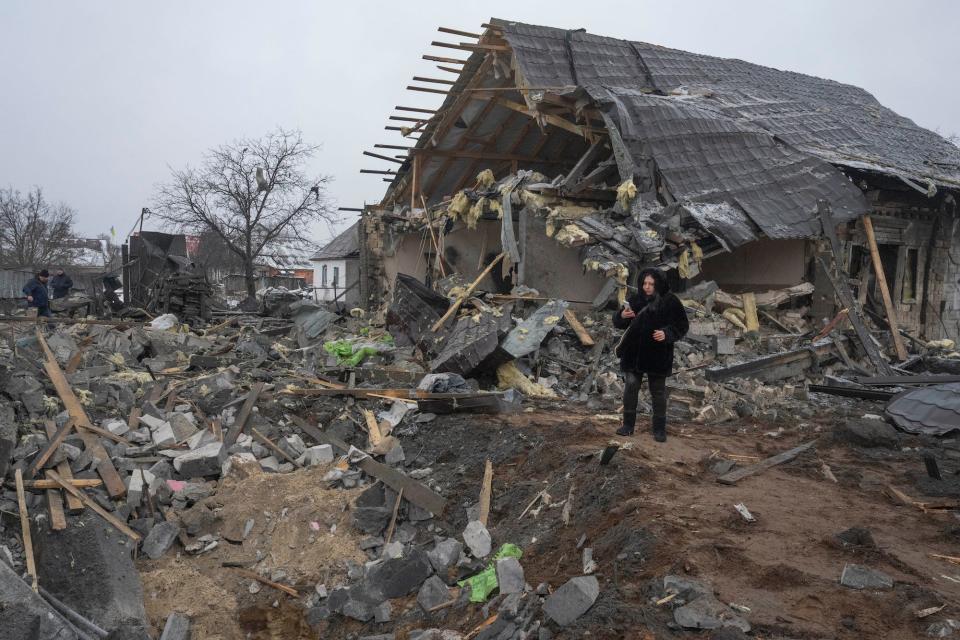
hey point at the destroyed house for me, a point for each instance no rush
(583, 158)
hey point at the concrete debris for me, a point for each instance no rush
(572, 600)
(857, 576)
(433, 593)
(477, 539)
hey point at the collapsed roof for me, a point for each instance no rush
(745, 150)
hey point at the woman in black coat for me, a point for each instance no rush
(654, 319)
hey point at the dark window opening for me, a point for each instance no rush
(909, 291)
(889, 255)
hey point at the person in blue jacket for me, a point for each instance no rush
(37, 295)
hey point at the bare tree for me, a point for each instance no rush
(251, 193)
(34, 232)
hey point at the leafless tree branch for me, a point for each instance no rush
(223, 198)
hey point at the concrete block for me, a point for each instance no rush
(160, 539)
(203, 461)
(857, 576)
(510, 576)
(572, 600)
(478, 539)
(433, 592)
(320, 454)
(177, 628)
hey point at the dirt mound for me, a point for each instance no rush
(300, 529)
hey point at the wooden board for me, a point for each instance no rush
(96, 508)
(582, 334)
(739, 474)
(241, 422)
(73, 505)
(884, 289)
(107, 471)
(25, 529)
(53, 444)
(486, 490)
(413, 491)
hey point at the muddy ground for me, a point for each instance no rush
(656, 509)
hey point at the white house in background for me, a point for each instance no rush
(336, 268)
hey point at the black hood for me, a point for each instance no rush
(661, 286)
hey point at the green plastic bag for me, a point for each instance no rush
(483, 584)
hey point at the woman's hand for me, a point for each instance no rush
(659, 335)
(627, 313)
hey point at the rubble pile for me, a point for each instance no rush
(177, 442)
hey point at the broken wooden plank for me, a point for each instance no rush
(830, 326)
(851, 392)
(486, 489)
(739, 474)
(96, 508)
(80, 483)
(58, 520)
(896, 381)
(241, 421)
(750, 311)
(856, 319)
(52, 445)
(73, 505)
(582, 334)
(466, 293)
(373, 429)
(290, 591)
(270, 444)
(393, 517)
(112, 480)
(395, 394)
(413, 490)
(884, 289)
(25, 529)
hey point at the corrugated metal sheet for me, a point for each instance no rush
(930, 410)
(12, 281)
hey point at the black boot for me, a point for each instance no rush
(629, 420)
(660, 428)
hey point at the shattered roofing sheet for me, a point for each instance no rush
(836, 122)
(930, 410)
(727, 223)
(757, 140)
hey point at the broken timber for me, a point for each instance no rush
(779, 365)
(96, 508)
(739, 474)
(413, 491)
(73, 504)
(81, 421)
(241, 422)
(486, 490)
(25, 529)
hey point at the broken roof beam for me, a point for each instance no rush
(470, 46)
(379, 172)
(427, 90)
(483, 155)
(548, 118)
(457, 32)
(433, 80)
(589, 157)
(380, 157)
(444, 60)
(416, 109)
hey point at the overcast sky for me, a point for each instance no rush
(98, 99)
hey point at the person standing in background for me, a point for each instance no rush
(61, 284)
